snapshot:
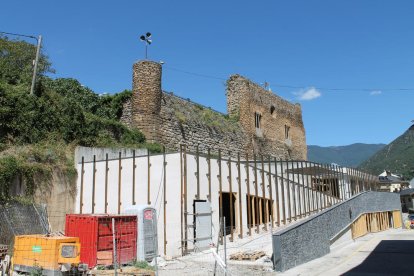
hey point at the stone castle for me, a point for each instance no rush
(258, 121)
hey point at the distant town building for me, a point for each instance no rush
(389, 182)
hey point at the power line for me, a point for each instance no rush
(30, 36)
(294, 86)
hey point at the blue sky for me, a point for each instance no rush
(303, 49)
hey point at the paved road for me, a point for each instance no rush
(385, 253)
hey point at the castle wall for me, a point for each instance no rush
(172, 121)
(245, 98)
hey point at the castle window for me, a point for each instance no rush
(287, 129)
(272, 109)
(257, 120)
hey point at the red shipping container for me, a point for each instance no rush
(95, 234)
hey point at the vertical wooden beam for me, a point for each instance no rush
(304, 190)
(299, 186)
(256, 194)
(149, 178)
(277, 201)
(198, 172)
(240, 197)
(289, 191)
(283, 192)
(93, 184)
(182, 197)
(231, 196)
(249, 202)
(266, 214)
(269, 175)
(134, 166)
(81, 185)
(185, 202)
(209, 173)
(119, 182)
(165, 197)
(106, 182)
(220, 187)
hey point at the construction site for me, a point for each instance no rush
(231, 200)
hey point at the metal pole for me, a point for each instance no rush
(182, 197)
(256, 199)
(270, 193)
(282, 188)
(39, 42)
(231, 196)
(220, 186)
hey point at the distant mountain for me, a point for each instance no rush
(349, 156)
(398, 157)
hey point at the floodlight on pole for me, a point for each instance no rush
(146, 38)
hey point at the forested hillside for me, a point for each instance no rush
(39, 132)
(397, 157)
(350, 155)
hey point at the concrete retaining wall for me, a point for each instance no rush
(311, 238)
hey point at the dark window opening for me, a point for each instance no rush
(287, 130)
(257, 120)
(229, 214)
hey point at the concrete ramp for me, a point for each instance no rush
(311, 238)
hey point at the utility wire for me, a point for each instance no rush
(30, 36)
(293, 86)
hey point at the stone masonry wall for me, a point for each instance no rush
(245, 98)
(172, 121)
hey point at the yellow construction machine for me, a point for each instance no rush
(46, 255)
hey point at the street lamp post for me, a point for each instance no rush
(146, 38)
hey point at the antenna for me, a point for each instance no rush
(146, 39)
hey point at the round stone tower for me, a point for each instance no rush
(146, 97)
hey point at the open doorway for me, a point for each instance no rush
(229, 211)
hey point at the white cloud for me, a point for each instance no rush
(307, 94)
(375, 92)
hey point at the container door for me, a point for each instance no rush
(202, 224)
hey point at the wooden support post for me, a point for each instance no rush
(198, 173)
(269, 177)
(256, 196)
(289, 191)
(182, 198)
(185, 201)
(106, 182)
(134, 166)
(165, 198)
(149, 178)
(220, 188)
(231, 196)
(277, 201)
(119, 182)
(81, 185)
(283, 193)
(209, 173)
(240, 197)
(249, 202)
(264, 203)
(304, 190)
(93, 184)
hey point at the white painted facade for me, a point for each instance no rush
(173, 191)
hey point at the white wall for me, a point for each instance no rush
(173, 188)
